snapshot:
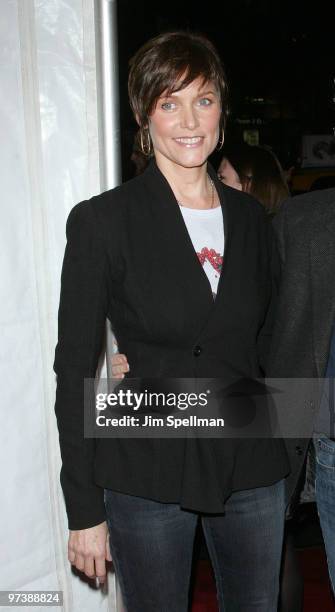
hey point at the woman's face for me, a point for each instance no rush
(185, 126)
(228, 175)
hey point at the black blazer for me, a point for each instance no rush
(129, 258)
(305, 229)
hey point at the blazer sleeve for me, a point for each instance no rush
(81, 334)
(265, 334)
(279, 227)
(276, 234)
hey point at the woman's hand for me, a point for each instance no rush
(119, 365)
(88, 550)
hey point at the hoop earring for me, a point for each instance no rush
(220, 143)
(146, 150)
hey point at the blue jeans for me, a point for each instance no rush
(325, 497)
(152, 543)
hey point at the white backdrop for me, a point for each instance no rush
(49, 161)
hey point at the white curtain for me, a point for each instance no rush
(49, 161)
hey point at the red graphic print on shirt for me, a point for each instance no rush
(214, 258)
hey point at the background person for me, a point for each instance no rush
(256, 170)
(303, 343)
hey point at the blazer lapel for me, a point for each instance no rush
(175, 245)
(322, 251)
(223, 194)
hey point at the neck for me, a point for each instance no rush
(191, 186)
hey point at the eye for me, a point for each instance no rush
(205, 101)
(168, 106)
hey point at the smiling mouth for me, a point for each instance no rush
(189, 142)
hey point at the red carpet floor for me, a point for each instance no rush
(317, 597)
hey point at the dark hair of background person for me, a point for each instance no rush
(260, 173)
(168, 63)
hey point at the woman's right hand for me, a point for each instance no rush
(119, 365)
(88, 550)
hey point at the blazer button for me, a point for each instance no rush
(298, 450)
(197, 350)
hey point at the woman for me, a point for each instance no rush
(133, 256)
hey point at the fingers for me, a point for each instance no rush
(89, 569)
(79, 562)
(93, 567)
(108, 550)
(119, 365)
(100, 569)
(119, 359)
(71, 555)
(87, 551)
(119, 371)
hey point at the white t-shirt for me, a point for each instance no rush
(205, 227)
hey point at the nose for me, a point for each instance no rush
(189, 118)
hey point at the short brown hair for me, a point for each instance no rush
(159, 65)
